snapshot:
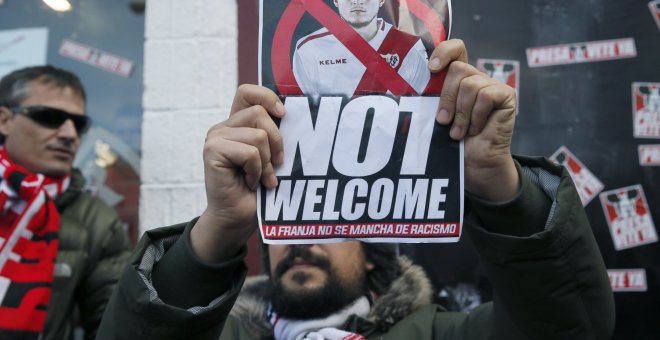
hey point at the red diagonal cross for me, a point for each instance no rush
(360, 48)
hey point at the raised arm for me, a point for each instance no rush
(239, 153)
(527, 221)
(482, 111)
(182, 281)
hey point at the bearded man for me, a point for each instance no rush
(526, 221)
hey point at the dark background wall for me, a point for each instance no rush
(586, 107)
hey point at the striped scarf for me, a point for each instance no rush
(29, 227)
(320, 329)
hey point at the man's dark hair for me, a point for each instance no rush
(14, 87)
(384, 256)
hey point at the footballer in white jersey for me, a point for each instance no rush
(322, 65)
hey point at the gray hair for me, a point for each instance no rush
(14, 87)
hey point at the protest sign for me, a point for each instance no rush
(364, 157)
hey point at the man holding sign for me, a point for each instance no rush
(526, 221)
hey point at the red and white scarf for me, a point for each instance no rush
(29, 228)
(320, 329)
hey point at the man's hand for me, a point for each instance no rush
(482, 110)
(239, 153)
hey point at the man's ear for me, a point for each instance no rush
(369, 266)
(5, 120)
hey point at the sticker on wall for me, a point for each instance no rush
(581, 52)
(627, 280)
(646, 109)
(587, 185)
(506, 71)
(628, 217)
(649, 154)
(654, 6)
(97, 58)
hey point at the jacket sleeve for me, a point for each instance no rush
(545, 266)
(107, 255)
(166, 292)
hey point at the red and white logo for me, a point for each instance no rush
(581, 52)
(646, 110)
(627, 280)
(392, 59)
(649, 154)
(587, 185)
(506, 71)
(97, 58)
(628, 217)
(654, 6)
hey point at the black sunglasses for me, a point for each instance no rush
(54, 118)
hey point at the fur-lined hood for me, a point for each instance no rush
(409, 292)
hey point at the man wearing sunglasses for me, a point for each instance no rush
(60, 248)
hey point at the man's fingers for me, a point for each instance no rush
(218, 151)
(446, 52)
(493, 98)
(256, 117)
(449, 95)
(248, 95)
(469, 93)
(467, 98)
(259, 139)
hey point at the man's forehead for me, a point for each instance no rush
(44, 92)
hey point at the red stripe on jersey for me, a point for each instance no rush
(312, 37)
(395, 43)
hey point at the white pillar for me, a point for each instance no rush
(190, 76)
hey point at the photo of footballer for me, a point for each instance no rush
(349, 47)
(323, 65)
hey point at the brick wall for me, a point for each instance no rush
(190, 76)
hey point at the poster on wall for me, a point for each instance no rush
(21, 48)
(628, 216)
(586, 184)
(95, 57)
(649, 154)
(506, 71)
(654, 6)
(364, 158)
(646, 109)
(628, 280)
(582, 52)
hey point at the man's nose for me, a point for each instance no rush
(68, 130)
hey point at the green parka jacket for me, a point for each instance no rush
(93, 249)
(538, 250)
